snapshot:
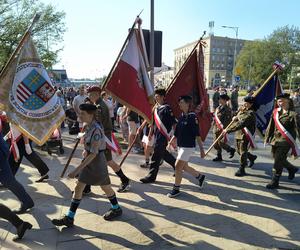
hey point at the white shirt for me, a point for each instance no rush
(79, 99)
(110, 106)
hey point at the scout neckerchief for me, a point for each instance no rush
(287, 136)
(219, 124)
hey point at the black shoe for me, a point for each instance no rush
(124, 186)
(87, 190)
(231, 153)
(240, 173)
(201, 180)
(112, 213)
(23, 209)
(64, 221)
(292, 173)
(44, 177)
(174, 193)
(147, 180)
(145, 165)
(251, 161)
(21, 230)
(218, 158)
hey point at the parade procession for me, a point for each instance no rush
(208, 160)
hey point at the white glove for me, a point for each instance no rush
(28, 148)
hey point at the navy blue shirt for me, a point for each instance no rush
(187, 130)
(168, 119)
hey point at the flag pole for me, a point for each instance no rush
(122, 49)
(181, 68)
(130, 146)
(254, 95)
(23, 39)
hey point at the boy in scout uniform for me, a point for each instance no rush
(160, 153)
(283, 118)
(223, 115)
(103, 117)
(244, 119)
(92, 170)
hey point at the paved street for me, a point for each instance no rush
(228, 213)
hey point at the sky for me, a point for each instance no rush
(96, 29)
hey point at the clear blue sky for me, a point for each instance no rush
(96, 29)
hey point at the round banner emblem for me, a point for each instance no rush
(32, 93)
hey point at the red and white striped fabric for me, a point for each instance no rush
(14, 135)
(23, 93)
(113, 144)
(289, 138)
(161, 127)
(250, 138)
(220, 125)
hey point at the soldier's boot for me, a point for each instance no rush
(231, 153)
(241, 172)
(252, 159)
(218, 158)
(292, 173)
(274, 182)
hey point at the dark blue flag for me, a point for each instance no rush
(264, 102)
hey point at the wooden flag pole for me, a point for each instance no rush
(254, 95)
(23, 39)
(70, 158)
(130, 147)
(124, 44)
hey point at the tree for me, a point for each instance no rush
(258, 56)
(15, 17)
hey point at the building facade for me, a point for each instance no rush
(218, 58)
(163, 76)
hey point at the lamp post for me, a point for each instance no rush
(236, 29)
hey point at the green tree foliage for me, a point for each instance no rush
(257, 57)
(16, 16)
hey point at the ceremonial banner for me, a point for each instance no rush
(128, 81)
(190, 81)
(264, 102)
(29, 98)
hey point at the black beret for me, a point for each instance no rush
(224, 97)
(161, 92)
(283, 95)
(87, 107)
(186, 98)
(249, 99)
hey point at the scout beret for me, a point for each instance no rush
(224, 97)
(283, 95)
(87, 107)
(249, 99)
(93, 88)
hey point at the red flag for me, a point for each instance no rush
(190, 81)
(129, 82)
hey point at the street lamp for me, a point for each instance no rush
(236, 29)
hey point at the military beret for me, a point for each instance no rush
(249, 99)
(93, 88)
(224, 97)
(87, 107)
(283, 95)
(186, 98)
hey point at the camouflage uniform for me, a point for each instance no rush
(246, 118)
(224, 114)
(234, 100)
(280, 147)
